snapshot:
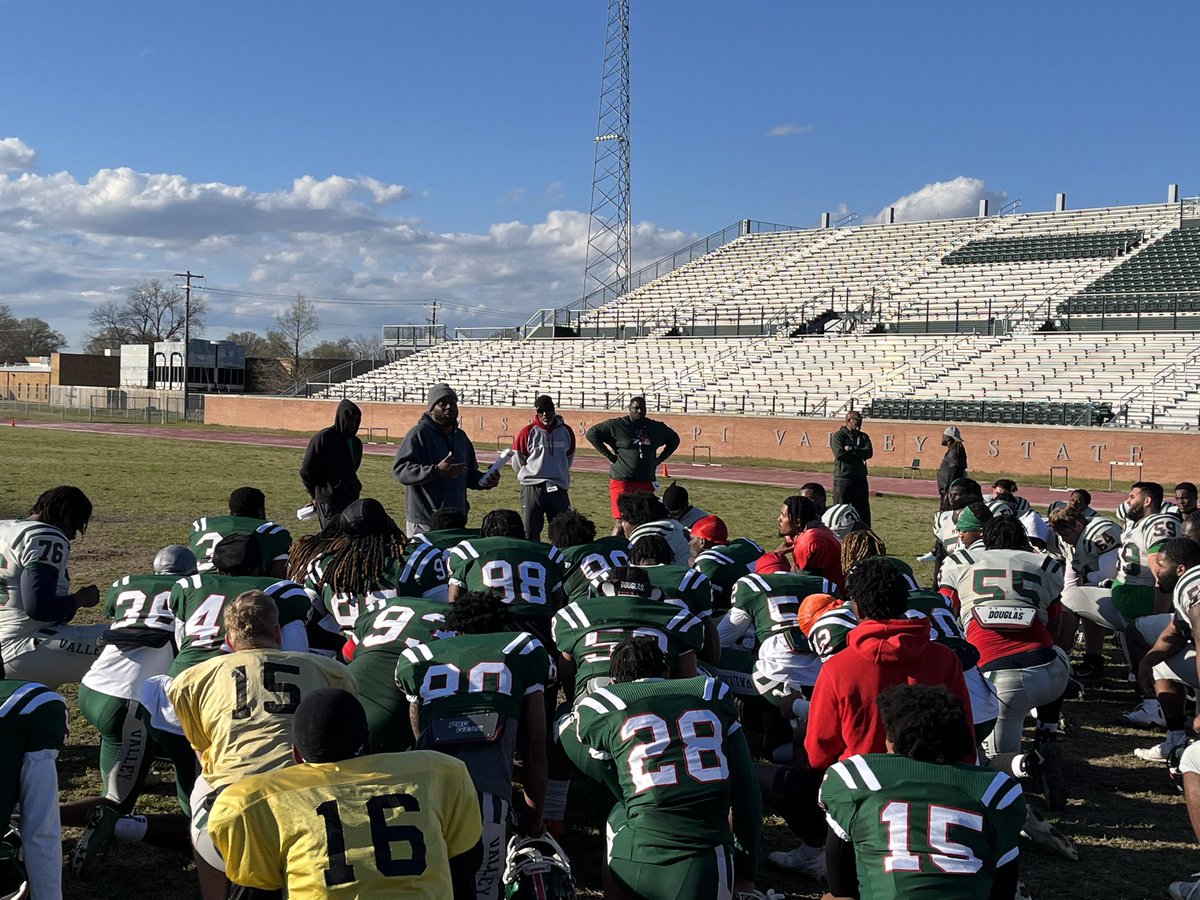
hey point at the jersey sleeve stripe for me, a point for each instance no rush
(993, 789)
(1008, 798)
(1008, 857)
(837, 829)
(708, 688)
(840, 770)
(516, 643)
(612, 699)
(865, 773)
(593, 702)
(41, 699)
(18, 697)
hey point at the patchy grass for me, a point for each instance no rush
(1129, 823)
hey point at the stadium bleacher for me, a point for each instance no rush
(949, 319)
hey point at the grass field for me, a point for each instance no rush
(1129, 823)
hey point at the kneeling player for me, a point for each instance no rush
(914, 822)
(341, 823)
(683, 764)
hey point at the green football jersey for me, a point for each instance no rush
(528, 574)
(724, 565)
(667, 740)
(943, 625)
(589, 631)
(421, 573)
(32, 718)
(141, 602)
(474, 673)
(198, 604)
(207, 532)
(585, 563)
(923, 829)
(443, 538)
(771, 604)
(830, 634)
(683, 586)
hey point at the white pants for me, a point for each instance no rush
(494, 811)
(1180, 668)
(55, 655)
(985, 705)
(203, 844)
(1019, 691)
(1096, 605)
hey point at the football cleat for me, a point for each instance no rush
(537, 868)
(1147, 714)
(97, 838)
(1089, 670)
(1185, 890)
(1159, 752)
(805, 859)
(1046, 836)
(1174, 761)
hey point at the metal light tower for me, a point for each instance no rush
(608, 252)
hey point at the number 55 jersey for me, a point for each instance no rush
(923, 829)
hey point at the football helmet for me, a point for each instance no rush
(175, 559)
(12, 864)
(537, 868)
(841, 519)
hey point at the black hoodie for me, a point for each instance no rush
(330, 466)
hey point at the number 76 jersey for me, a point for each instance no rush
(22, 544)
(923, 829)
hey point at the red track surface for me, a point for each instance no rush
(786, 478)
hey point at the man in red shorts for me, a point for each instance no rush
(635, 445)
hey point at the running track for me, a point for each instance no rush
(785, 478)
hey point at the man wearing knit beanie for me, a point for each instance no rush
(436, 462)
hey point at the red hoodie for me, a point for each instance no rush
(843, 719)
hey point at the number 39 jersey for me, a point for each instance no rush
(923, 829)
(383, 825)
(474, 673)
(526, 573)
(198, 605)
(237, 709)
(667, 740)
(138, 645)
(22, 544)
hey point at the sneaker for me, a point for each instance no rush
(1159, 753)
(1185, 890)
(97, 838)
(1045, 835)
(1089, 670)
(1148, 714)
(806, 859)
(926, 557)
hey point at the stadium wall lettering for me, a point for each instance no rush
(1166, 456)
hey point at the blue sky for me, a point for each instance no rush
(392, 150)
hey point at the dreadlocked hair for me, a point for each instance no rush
(800, 510)
(925, 723)
(60, 504)
(1006, 533)
(860, 545)
(356, 562)
(637, 657)
(479, 612)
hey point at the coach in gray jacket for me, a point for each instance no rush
(436, 462)
(543, 453)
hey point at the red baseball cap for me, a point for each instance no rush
(711, 528)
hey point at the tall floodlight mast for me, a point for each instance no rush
(608, 254)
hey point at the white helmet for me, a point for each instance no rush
(537, 868)
(841, 519)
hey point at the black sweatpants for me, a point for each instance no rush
(855, 492)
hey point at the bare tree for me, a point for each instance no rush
(31, 336)
(255, 345)
(150, 312)
(297, 324)
(367, 346)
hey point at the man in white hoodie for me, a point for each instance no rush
(543, 453)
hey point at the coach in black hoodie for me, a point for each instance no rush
(330, 467)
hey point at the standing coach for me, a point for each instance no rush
(543, 454)
(631, 443)
(436, 463)
(851, 450)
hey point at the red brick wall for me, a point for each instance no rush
(1017, 449)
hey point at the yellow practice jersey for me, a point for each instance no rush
(237, 709)
(384, 825)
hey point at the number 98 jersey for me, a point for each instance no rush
(526, 574)
(668, 741)
(24, 544)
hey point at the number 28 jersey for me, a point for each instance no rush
(923, 829)
(667, 740)
(26, 543)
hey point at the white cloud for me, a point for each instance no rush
(16, 155)
(786, 128)
(67, 245)
(944, 200)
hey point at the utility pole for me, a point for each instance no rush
(432, 307)
(187, 323)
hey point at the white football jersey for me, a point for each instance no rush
(25, 543)
(946, 531)
(1014, 577)
(1186, 596)
(1140, 537)
(1100, 537)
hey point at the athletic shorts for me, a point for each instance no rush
(617, 488)
(708, 875)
